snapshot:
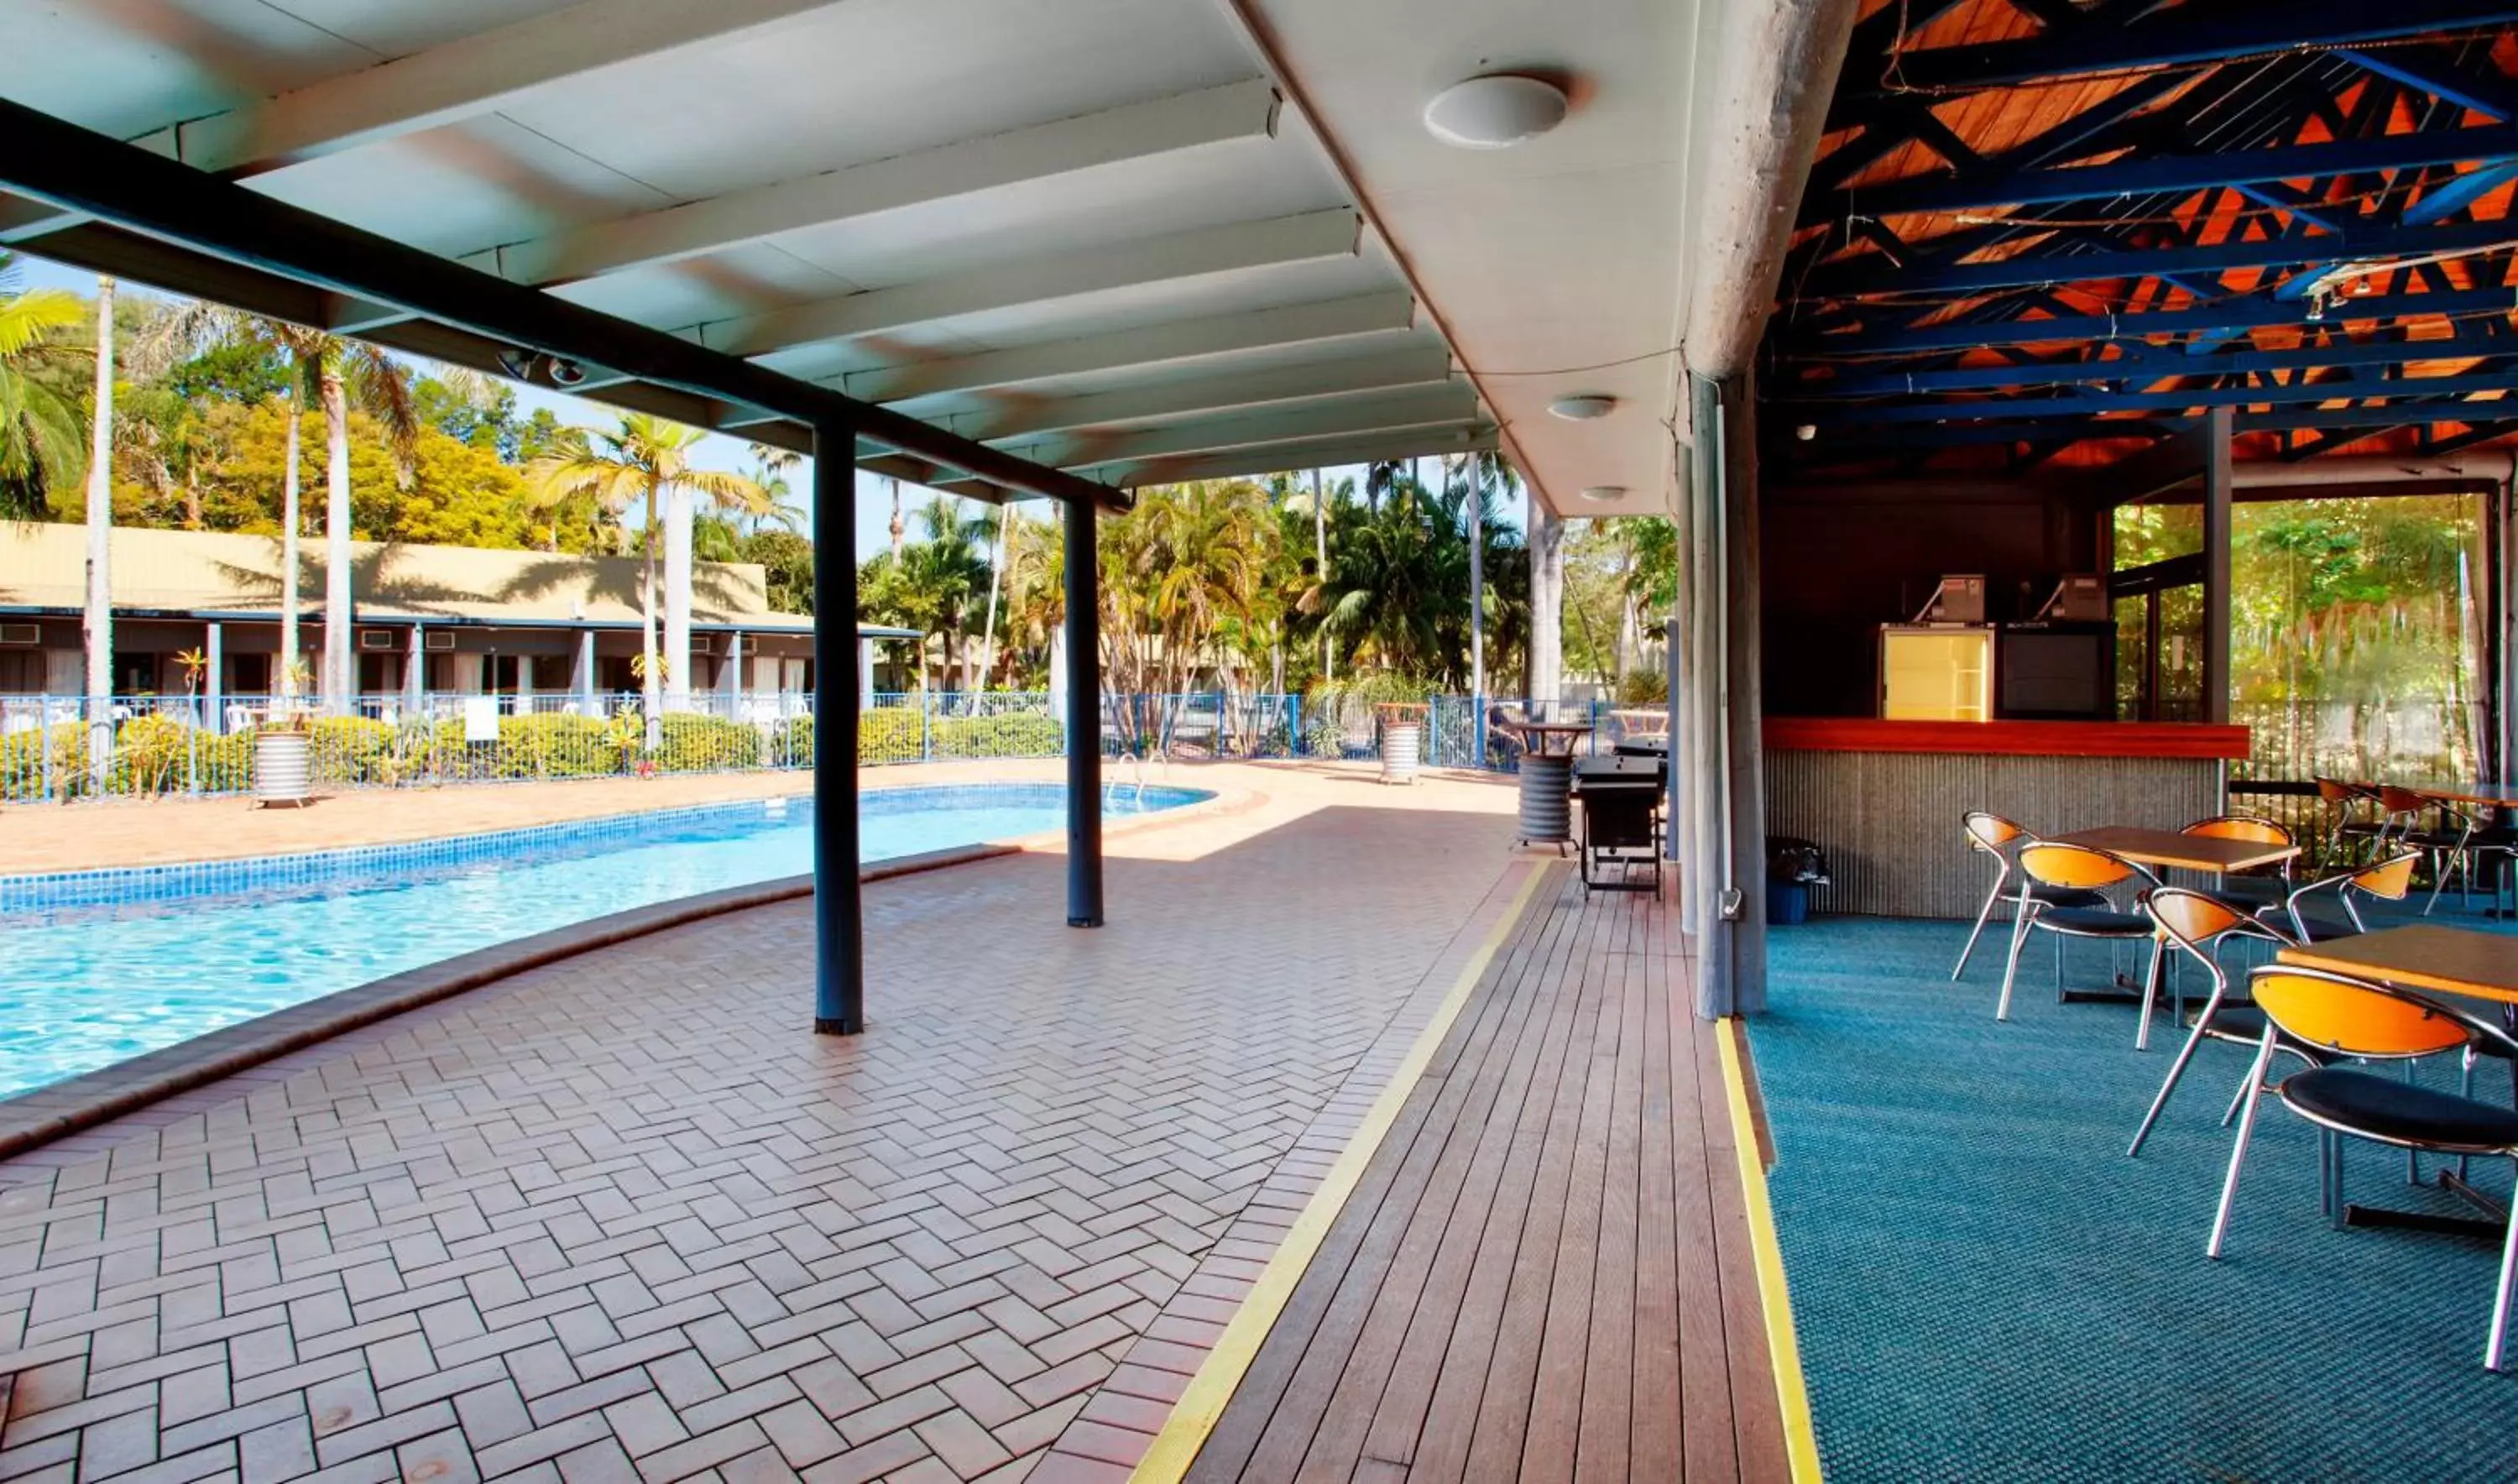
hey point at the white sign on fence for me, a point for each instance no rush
(480, 719)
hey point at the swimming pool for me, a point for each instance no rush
(98, 967)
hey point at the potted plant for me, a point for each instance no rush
(283, 748)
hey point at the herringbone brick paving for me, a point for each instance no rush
(623, 1217)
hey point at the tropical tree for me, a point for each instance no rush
(337, 371)
(647, 464)
(39, 428)
(771, 467)
(100, 536)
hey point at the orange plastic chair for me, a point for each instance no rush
(2389, 880)
(2259, 888)
(2345, 801)
(2197, 923)
(2339, 1016)
(1999, 838)
(2071, 868)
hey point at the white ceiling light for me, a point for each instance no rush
(1604, 494)
(1496, 112)
(1581, 409)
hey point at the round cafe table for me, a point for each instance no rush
(1547, 779)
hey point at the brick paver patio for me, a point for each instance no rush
(621, 1217)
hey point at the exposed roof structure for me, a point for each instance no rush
(42, 567)
(1137, 240)
(2057, 230)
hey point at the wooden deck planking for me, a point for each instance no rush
(1545, 1273)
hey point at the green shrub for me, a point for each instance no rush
(1020, 735)
(563, 745)
(885, 734)
(693, 743)
(22, 754)
(350, 750)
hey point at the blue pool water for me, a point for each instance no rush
(103, 967)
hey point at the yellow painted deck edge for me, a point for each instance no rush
(1782, 1347)
(1203, 1404)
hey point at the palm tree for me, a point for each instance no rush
(771, 467)
(338, 371)
(647, 464)
(945, 570)
(39, 428)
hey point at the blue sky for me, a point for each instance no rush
(715, 450)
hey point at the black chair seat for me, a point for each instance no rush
(2432, 839)
(2360, 829)
(2098, 922)
(2236, 1022)
(2319, 930)
(2366, 1103)
(2063, 896)
(2255, 890)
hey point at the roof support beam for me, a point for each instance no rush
(2184, 36)
(1161, 127)
(2181, 173)
(1299, 453)
(2358, 242)
(1419, 365)
(2466, 344)
(2238, 313)
(213, 228)
(1179, 341)
(1234, 248)
(461, 80)
(1428, 406)
(2093, 402)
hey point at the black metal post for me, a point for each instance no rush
(838, 912)
(1083, 716)
(2216, 567)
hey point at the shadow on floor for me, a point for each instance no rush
(1986, 1288)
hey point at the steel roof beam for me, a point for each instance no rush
(2465, 345)
(1300, 453)
(212, 227)
(2186, 36)
(2093, 402)
(1428, 406)
(2177, 174)
(1417, 366)
(1161, 127)
(2237, 315)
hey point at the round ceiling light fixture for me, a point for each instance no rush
(1495, 111)
(1583, 408)
(1604, 494)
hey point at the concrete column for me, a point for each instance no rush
(414, 669)
(677, 598)
(524, 684)
(1477, 595)
(1545, 677)
(1084, 717)
(730, 676)
(839, 909)
(865, 673)
(100, 550)
(1718, 749)
(214, 688)
(582, 671)
(2216, 566)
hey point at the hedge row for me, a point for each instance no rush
(159, 753)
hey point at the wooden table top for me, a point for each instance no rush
(2168, 847)
(2423, 956)
(2470, 793)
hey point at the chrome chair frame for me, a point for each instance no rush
(1980, 826)
(2345, 798)
(2331, 1133)
(2344, 883)
(2242, 925)
(2033, 913)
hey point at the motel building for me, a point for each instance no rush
(2060, 1026)
(430, 621)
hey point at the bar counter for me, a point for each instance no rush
(1884, 798)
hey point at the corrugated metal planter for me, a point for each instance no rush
(1402, 750)
(282, 768)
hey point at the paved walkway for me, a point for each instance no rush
(621, 1217)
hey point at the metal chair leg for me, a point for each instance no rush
(2232, 1111)
(1981, 914)
(2176, 1070)
(2011, 968)
(2238, 1150)
(2150, 995)
(2493, 1350)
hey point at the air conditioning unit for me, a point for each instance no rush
(703, 643)
(22, 633)
(375, 638)
(437, 640)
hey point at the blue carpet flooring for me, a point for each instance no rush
(1987, 1289)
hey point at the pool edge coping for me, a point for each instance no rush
(45, 1114)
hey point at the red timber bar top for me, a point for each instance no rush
(2012, 739)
